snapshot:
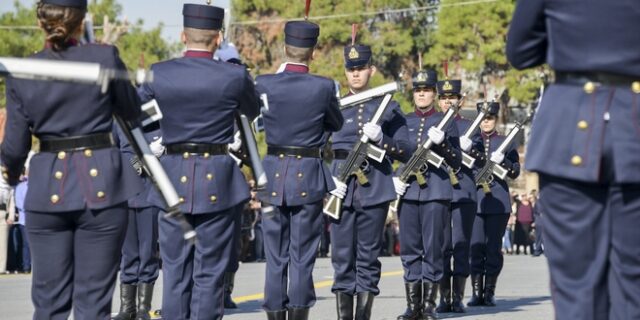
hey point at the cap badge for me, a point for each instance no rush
(447, 86)
(353, 54)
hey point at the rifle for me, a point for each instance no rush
(362, 97)
(467, 160)
(418, 163)
(248, 154)
(358, 155)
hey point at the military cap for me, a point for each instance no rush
(424, 79)
(449, 87)
(493, 109)
(301, 34)
(82, 4)
(356, 55)
(204, 17)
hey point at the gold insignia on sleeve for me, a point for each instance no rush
(447, 86)
(353, 54)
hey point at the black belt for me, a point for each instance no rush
(582, 78)
(294, 152)
(197, 148)
(92, 141)
(340, 154)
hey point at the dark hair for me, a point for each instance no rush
(298, 54)
(60, 23)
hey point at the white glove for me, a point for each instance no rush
(237, 143)
(373, 131)
(497, 157)
(465, 144)
(401, 187)
(157, 147)
(436, 135)
(341, 188)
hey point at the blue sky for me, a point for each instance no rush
(151, 11)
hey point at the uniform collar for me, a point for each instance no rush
(70, 43)
(430, 112)
(293, 67)
(489, 135)
(195, 53)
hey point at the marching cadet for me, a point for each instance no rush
(585, 144)
(356, 239)
(198, 98)
(459, 222)
(77, 211)
(139, 266)
(424, 208)
(303, 109)
(494, 208)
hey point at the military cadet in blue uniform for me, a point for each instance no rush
(139, 265)
(424, 208)
(462, 213)
(198, 98)
(77, 202)
(494, 207)
(303, 109)
(585, 144)
(356, 239)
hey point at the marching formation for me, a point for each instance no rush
(113, 179)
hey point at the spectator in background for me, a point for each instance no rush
(507, 240)
(19, 233)
(538, 218)
(524, 220)
(5, 224)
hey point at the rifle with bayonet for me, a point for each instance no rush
(358, 156)
(423, 156)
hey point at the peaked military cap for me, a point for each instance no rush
(424, 79)
(82, 4)
(449, 87)
(301, 34)
(493, 109)
(357, 55)
(204, 17)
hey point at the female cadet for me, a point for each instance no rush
(77, 204)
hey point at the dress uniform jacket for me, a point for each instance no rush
(69, 181)
(499, 200)
(201, 112)
(571, 143)
(394, 141)
(465, 190)
(296, 181)
(438, 184)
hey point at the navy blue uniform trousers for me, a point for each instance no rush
(457, 240)
(592, 245)
(291, 239)
(75, 258)
(356, 241)
(486, 243)
(139, 253)
(422, 226)
(193, 275)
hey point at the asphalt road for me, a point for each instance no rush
(522, 293)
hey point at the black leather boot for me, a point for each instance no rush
(413, 291)
(363, 305)
(490, 290)
(458, 294)
(477, 285)
(430, 292)
(445, 295)
(344, 305)
(277, 315)
(145, 293)
(127, 302)
(229, 280)
(298, 313)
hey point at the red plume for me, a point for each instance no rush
(307, 7)
(354, 31)
(445, 64)
(485, 92)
